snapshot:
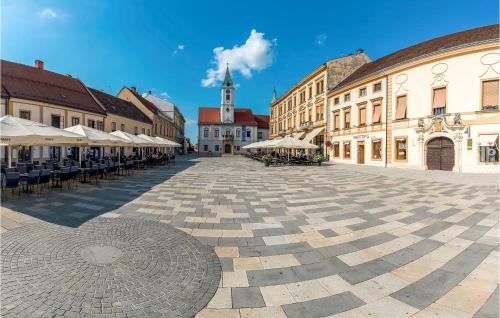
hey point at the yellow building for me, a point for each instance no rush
(300, 111)
(53, 99)
(162, 125)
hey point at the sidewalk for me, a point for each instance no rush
(436, 175)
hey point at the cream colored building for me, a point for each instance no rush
(53, 99)
(300, 111)
(162, 125)
(433, 105)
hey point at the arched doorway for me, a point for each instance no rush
(227, 148)
(440, 154)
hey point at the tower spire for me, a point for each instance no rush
(228, 82)
(273, 98)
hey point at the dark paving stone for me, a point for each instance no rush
(247, 297)
(324, 306)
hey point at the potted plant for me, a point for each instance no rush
(318, 159)
(267, 159)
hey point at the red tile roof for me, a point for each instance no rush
(242, 116)
(26, 82)
(152, 107)
(120, 107)
(262, 121)
(447, 42)
(208, 116)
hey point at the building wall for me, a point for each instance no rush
(236, 142)
(461, 72)
(42, 112)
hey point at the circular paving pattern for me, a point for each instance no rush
(121, 267)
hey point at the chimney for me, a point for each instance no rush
(134, 89)
(360, 51)
(39, 64)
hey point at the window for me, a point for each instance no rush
(122, 127)
(377, 87)
(401, 107)
(319, 87)
(400, 149)
(362, 92)
(336, 121)
(75, 121)
(347, 97)
(216, 134)
(91, 123)
(238, 132)
(25, 114)
(336, 101)
(143, 131)
(347, 150)
(310, 92)
(347, 119)
(376, 149)
(489, 99)
(136, 130)
(259, 135)
(439, 101)
(302, 96)
(362, 116)
(216, 147)
(249, 133)
(55, 121)
(294, 101)
(149, 132)
(319, 112)
(336, 150)
(100, 125)
(377, 113)
(205, 147)
(113, 126)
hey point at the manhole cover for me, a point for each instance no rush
(106, 266)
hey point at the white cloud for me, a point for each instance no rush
(48, 14)
(256, 54)
(321, 39)
(165, 95)
(190, 122)
(179, 48)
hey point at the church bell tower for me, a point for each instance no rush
(227, 99)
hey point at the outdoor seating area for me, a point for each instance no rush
(127, 153)
(284, 151)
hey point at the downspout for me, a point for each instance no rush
(386, 115)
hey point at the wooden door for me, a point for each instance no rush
(227, 148)
(361, 152)
(440, 154)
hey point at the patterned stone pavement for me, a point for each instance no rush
(325, 241)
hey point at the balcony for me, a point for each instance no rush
(228, 137)
(306, 125)
(490, 108)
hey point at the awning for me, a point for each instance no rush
(487, 140)
(310, 136)
(298, 135)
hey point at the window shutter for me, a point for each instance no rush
(401, 107)
(377, 111)
(362, 116)
(439, 98)
(490, 93)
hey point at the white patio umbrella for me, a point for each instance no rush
(16, 131)
(288, 142)
(135, 141)
(98, 138)
(253, 145)
(168, 142)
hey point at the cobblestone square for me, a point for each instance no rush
(329, 241)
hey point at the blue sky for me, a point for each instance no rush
(168, 46)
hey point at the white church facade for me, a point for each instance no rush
(226, 129)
